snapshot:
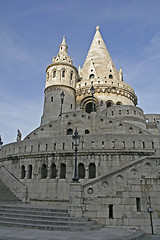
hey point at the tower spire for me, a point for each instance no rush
(63, 46)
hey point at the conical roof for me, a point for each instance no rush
(98, 56)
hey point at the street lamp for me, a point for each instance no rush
(1, 143)
(92, 90)
(76, 140)
(62, 99)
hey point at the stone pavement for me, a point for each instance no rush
(102, 234)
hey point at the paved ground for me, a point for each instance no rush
(102, 234)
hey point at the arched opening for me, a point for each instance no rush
(91, 76)
(92, 170)
(63, 171)
(110, 76)
(23, 172)
(88, 107)
(44, 171)
(87, 131)
(69, 131)
(109, 104)
(71, 75)
(54, 74)
(53, 171)
(29, 171)
(81, 171)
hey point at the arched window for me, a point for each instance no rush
(109, 104)
(23, 172)
(87, 131)
(69, 131)
(71, 75)
(63, 73)
(54, 73)
(29, 171)
(92, 170)
(118, 103)
(110, 76)
(91, 76)
(53, 171)
(88, 107)
(63, 171)
(81, 171)
(44, 171)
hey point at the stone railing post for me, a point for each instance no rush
(75, 200)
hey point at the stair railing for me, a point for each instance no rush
(14, 184)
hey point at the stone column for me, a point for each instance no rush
(75, 200)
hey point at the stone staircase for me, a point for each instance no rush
(27, 216)
(6, 196)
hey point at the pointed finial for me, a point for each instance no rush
(97, 28)
(64, 41)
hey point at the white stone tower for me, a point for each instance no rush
(61, 76)
(99, 70)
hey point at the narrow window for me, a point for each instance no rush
(138, 204)
(113, 144)
(102, 144)
(133, 144)
(54, 146)
(51, 99)
(53, 171)
(119, 112)
(112, 113)
(25, 148)
(38, 148)
(92, 145)
(63, 146)
(143, 144)
(152, 145)
(71, 106)
(110, 210)
(54, 74)
(19, 150)
(23, 172)
(82, 145)
(32, 148)
(127, 112)
(46, 147)
(63, 171)
(134, 112)
(29, 171)
(63, 73)
(123, 144)
(92, 170)
(71, 76)
(81, 171)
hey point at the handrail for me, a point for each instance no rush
(23, 189)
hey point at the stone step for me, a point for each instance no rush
(44, 222)
(43, 217)
(6, 195)
(27, 216)
(50, 227)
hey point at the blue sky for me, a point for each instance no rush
(31, 31)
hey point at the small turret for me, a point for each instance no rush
(61, 76)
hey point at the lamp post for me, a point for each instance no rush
(92, 90)
(1, 143)
(76, 139)
(62, 95)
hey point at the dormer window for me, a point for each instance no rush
(63, 73)
(91, 76)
